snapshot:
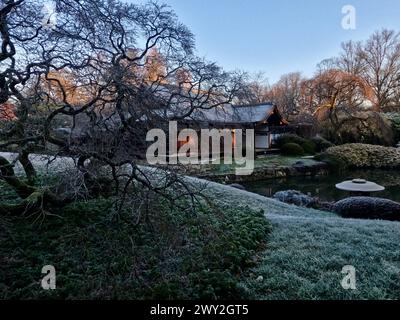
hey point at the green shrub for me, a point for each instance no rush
(394, 119)
(360, 155)
(309, 147)
(321, 144)
(335, 164)
(292, 149)
(289, 138)
(368, 208)
(173, 253)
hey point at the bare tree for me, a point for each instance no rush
(333, 92)
(351, 58)
(255, 89)
(286, 93)
(89, 74)
(380, 57)
(155, 66)
(376, 61)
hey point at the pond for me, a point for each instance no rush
(323, 187)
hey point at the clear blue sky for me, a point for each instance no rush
(278, 36)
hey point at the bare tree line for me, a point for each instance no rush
(364, 70)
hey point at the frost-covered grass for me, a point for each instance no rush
(307, 250)
(305, 256)
(262, 162)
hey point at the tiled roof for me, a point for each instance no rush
(234, 114)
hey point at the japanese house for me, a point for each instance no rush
(265, 119)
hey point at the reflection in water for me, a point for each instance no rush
(324, 186)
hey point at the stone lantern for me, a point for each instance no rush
(359, 187)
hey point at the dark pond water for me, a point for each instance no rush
(324, 186)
